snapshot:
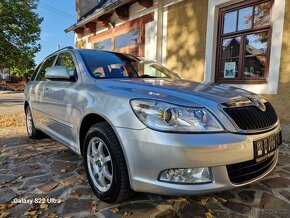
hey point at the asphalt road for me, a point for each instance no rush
(11, 103)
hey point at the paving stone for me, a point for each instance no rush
(48, 186)
(6, 195)
(286, 194)
(53, 208)
(266, 215)
(193, 210)
(140, 196)
(19, 210)
(17, 184)
(81, 171)
(228, 215)
(226, 195)
(28, 170)
(75, 206)
(100, 204)
(67, 156)
(84, 191)
(38, 180)
(167, 214)
(278, 182)
(4, 170)
(59, 191)
(7, 177)
(258, 186)
(26, 154)
(274, 206)
(66, 175)
(137, 210)
(57, 166)
(284, 159)
(73, 180)
(280, 173)
(237, 207)
(178, 205)
(248, 196)
(40, 160)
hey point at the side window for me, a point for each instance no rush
(66, 59)
(46, 64)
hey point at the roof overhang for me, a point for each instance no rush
(109, 9)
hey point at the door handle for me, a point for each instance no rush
(46, 91)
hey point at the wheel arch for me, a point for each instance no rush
(87, 122)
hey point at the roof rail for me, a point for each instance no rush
(64, 48)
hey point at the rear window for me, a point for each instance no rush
(104, 64)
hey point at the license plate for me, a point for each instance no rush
(266, 147)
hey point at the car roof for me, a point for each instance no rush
(70, 48)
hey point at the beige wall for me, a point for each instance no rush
(186, 38)
(282, 100)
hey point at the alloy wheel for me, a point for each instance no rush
(99, 163)
(29, 122)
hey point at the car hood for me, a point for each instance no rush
(176, 91)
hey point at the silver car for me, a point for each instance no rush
(140, 127)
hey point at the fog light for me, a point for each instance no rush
(192, 176)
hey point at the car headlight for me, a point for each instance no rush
(168, 117)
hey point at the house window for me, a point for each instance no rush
(244, 42)
(128, 39)
(104, 45)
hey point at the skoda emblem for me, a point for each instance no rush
(259, 104)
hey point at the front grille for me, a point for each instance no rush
(249, 170)
(252, 118)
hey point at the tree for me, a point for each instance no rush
(19, 35)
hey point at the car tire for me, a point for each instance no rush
(32, 132)
(105, 164)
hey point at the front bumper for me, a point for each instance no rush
(149, 152)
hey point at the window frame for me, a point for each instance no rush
(35, 72)
(46, 59)
(74, 60)
(138, 23)
(242, 34)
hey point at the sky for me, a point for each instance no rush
(58, 15)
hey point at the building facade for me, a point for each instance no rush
(241, 43)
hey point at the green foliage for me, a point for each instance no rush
(19, 35)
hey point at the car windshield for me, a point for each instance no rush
(104, 64)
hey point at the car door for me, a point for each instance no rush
(61, 97)
(38, 92)
(32, 84)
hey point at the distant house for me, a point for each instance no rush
(241, 43)
(4, 74)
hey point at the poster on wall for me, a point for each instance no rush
(230, 70)
(4, 74)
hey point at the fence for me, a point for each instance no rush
(14, 84)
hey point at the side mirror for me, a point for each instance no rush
(57, 73)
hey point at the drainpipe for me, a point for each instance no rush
(159, 31)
